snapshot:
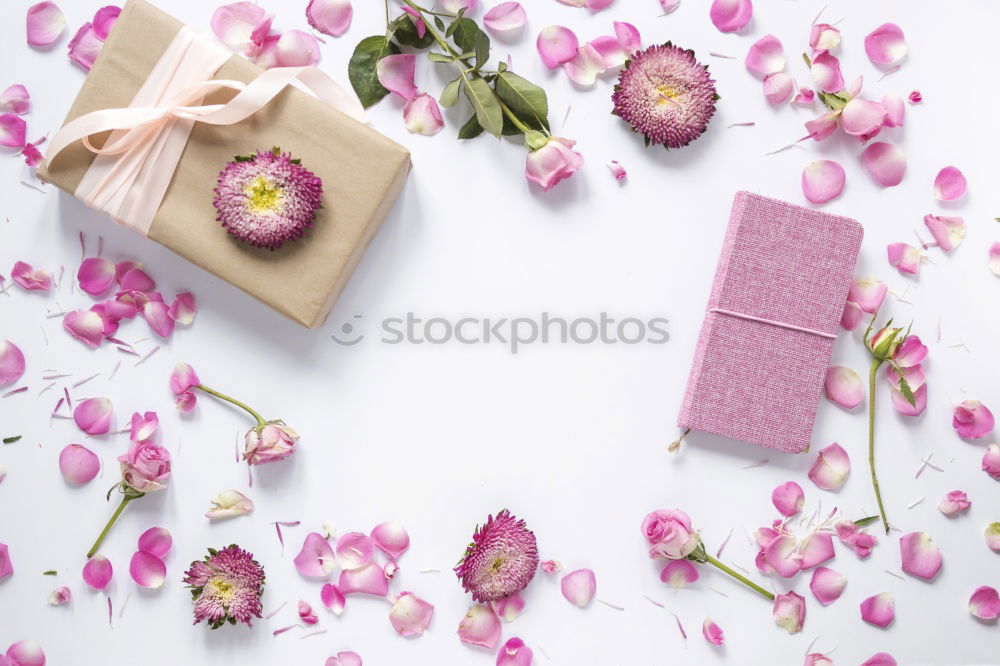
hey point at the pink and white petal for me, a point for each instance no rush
(972, 419)
(730, 15)
(954, 502)
(297, 48)
(597, 5)
(894, 109)
(910, 353)
(135, 279)
(862, 117)
(815, 549)
(831, 468)
(306, 613)
(104, 20)
(611, 51)
(991, 464)
(817, 659)
(825, 71)
(331, 17)
(316, 558)
(879, 610)
(396, 72)
(822, 180)
(183, 309)
(984, 603)
(455, 6)
(354, 550)
(45, 23)
(904, 257)
(669, 5)
(885, 163)
(509, 608)
(85, 326)
(93, 416)
(920, 556)
(788, 498)
(844, 387)
(155, 314)
(96, 275)
(229, 504)
(391, 538)
(824, 37)
(903, 406)
(852, 316)
(679, 573)
(143, 428)
(914, 376)
(854, 89)
(333, 598)
(6, 566)
(11, 362)
(804, 97)
(551, 566)
(992, 532)
(950, 184)
(781, 554)
(948, 232)
(410, 615)
(617, 170)
(60, 596)
(26, 653)
(147, 570)
(13, 131)
(233, 24)
(766, 56)
(481, 627)
(421, 115)
(868, 293)
(156, 541)
(97, 572)
(557, 45)
(778, 88)
(827, 585)
(789, 611)
(994, 258)
(712, 632)
(78, 464)
(85, 46)
(628, 36)
(29, 279)
(15, 99)
(886, 45)
(586, 66)
(505, 18)
(822, 126)
(345, 659)
(369, 579)
(579, 587)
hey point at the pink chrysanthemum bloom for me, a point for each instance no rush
(665, 95)
(267, 199)
(501, 560)
(226, 586)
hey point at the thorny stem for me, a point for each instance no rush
(222, 396)
(876, 364)
(740, 577)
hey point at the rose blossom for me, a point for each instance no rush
(552, 161)
(274, 442)
(145, 467)
(670, 534)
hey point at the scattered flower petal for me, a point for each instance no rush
(345, 659)
(396, 72)
(766, 56)
(11, 362)
(905, 258)
(992, 533)
(354, 550)
(509, 608)
(316, 559)
(995, 258)
(954, 502)
(730, 15)
(147, 570)
(60, 596)
(823, 126)
(586, 66)
(410, 615)
(85, 46)
(921, 557)
(903, 406)
(679, 573)
(391, 538)
(991, 461)
(369, 579)
(824, 37)
(156, 541)
(843, 387)
(6, 566)
(822, 181)
(306, 614)
(26, 653)
(505, 18)
(617, 169)
(97, 572)
(421, 115)
(886, 44)
(972, 419)
(579, 587)
(880, 659)
(481, 627)
(712, 632)
(669, 5)
(333, 598)
(789, 611)
(93, 416)
(788, 498)
(183, 309)
(15, 99)
(295, 48)
(831, 468)
(868, 293)
(45, 23)
(985, 603)
(805, 97)
(816, 659)
(96, 275)
(827, 585)
(514, 653)
(29, 279)
(78, 464)
(234, 25)
(948, 232)
(12, 131)
(778, 88)
(862, 118)
(331, 17)
(229, 504)
(878, 610)
(894, 109)
(816, 548)
(950, 184)
(557, 45)
(781, 555)
(825, 71)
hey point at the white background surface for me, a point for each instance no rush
(572, 438)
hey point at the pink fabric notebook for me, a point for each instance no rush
(770, 324)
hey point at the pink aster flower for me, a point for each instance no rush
(226, 586)
(267, 199)
(501, 560)
(666, 95)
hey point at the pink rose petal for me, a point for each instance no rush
(156, 541)
(97, 572)
(6, 566)
(86, 326)
(78, 464)
(612, 53)
(851, 317)
(730, 15)
(296, 48)
(579, 587)
(827, 585)
(781, 554)
(885, 163)
(333, 598)
(557, 45)
(509, 608)
(920, 556)
(816, 659)
(306, 614)
(669, 5)
(954, 502)
(85, 46)
(481, 627)
(991, 461)
(948, 232)
(60, 596)
(992, 533)
(788, 498)
(905, 258)
(93, 416)
(45, 23)
(12, 131)
(886, 44)
(396, 72)
(778, 88)
(183, 309)
(878, 610)
(421, 115)
(455, 6)
(229, 504)
(712, 632)
(11, 362)
(789, 611)
(831, 468)
(369, 579)
(345, 659)
(825, 71)
(766, 56)
(880, 659)
(15, 99)
(949, 184)
(331, 17)
(183, 378)
(143, 428)
(903, 406)
(862, 118)
(354, 550)
(234, 24)
(823, 126)
(995, 258)
(824, 37)
(514, 653)
(147, 570)
(911, 353)
(972, 419)
(135, 279)
(843, 387)
(985, 603)
(617, 170)
(410, 615)
(805, 97)
(628, 36)
(316, 559)
(505, 18)
(679, 573)
(29, 279)
(391, 538)
(156, 315)
(96, 275)
(586, 66)
(822, 181)
(868, 293)
(894, 109)
(104, 20)
(26, 653)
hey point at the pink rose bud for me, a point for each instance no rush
(551, 160)
(145, 467)
(274, 442)
(670, 534)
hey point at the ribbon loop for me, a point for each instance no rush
(781, 324)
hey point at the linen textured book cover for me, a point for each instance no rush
(771, 320)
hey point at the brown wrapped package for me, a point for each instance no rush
(362, 173)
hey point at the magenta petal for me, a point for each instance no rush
(949, 184)
(712, 632)
(6, 566)
(391, 538)
(156, 315)
(183, 378)
(886, 44)
(333, 598)
(880, 659)
(505, 17)
(369, 579)
(93, 416)
(954, 502)
(831, 468)
(45, 23)
(316, 559)
(679, 573)
(894, 109)
(396, 72)
(331, 17)
(12, 131)
(991, 465)
(781, 555)
(766, 56)
(879, 610)
(788, 498)
(910, 353)
(306, 613)
(143, 428)
(26, 653)
(60, 596)
(96, 275)
(824, 37)
(15, 98)
(97, 572)
(948, 232)
(345, 659)
(354, 550)
(104, 20)
(410, 615)
(805, 97)
(905, 258)
(85, 46)
(827, 585)
(921, 557)
(730, 15)
(789, 611)
(29, 279)
(972, 419)
(816, 548)
(885, 163)
(78, 464)
(843, 387)
(851, 317)
(985, 603)
(481, 627)
(135, 279)
(579, 587)
(509, 608)
(825, 71)
(156, 541)
(822, 181)
(147, 570)
(557, 45)
(778, 88)
(11, 362)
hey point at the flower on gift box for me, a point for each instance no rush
(226, 587)
(267, 199)
(501, 560)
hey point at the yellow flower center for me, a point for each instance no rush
(497, 565)
(667, 94)
(220, 589)
(263, 196)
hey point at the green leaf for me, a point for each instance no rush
(362, 68)
(904, 386)
(525, 99)
(404, 31)
(11, 440)
(485, 103)
(439, 23)
(434, 56)
(868, 520)
(471, 129)
(50, 572)
(449, 96)
(471, 39)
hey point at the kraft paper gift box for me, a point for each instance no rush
(772, 317)
(362, 173)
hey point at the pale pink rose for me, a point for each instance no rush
(669, 533)
(553, 162)
(145, 467)
(272, 443)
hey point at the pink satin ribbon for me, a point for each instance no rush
(782, 324)
(131, 173)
